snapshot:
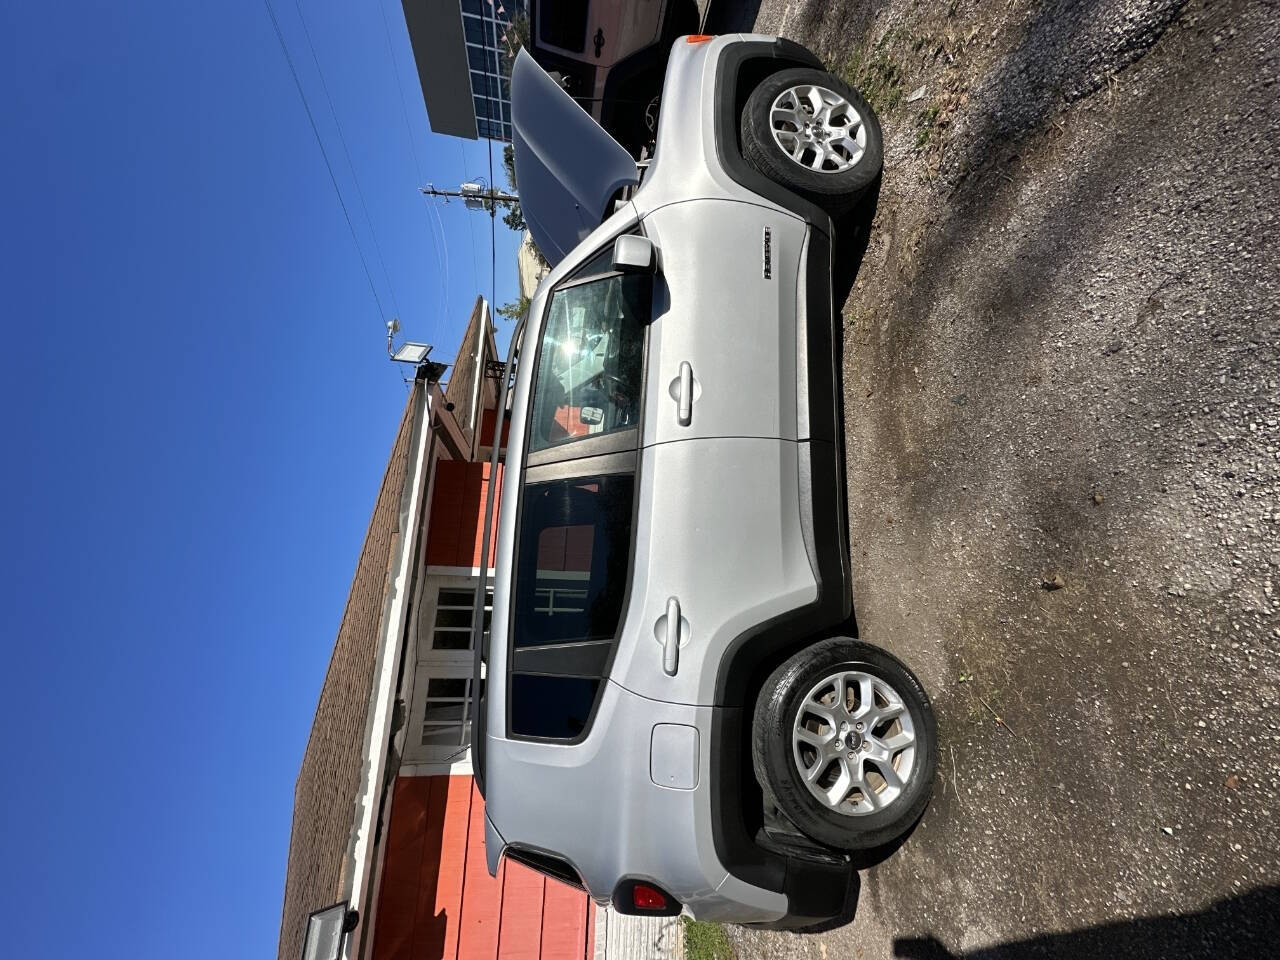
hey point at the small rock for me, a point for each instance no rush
(1167, 831)
(916, 94)
(1098, 499)
(1233, 782)
(1055, 582)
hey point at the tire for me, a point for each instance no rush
(834, 190)
(861, 822)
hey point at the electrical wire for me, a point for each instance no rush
(343, 140)
(442, 267)
(493, 247)
(493, 206)
(432, 209)
(471, 226)
(324, 153)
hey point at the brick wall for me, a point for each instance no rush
(329, 780)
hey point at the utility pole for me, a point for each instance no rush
(474, 195)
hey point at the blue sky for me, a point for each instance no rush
(198, 410)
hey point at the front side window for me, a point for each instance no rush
(591, 360)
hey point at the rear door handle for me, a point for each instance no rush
(671, 639)
(684, 406)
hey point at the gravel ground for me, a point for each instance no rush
(1061, 371)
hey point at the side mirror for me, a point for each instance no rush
(634, 254)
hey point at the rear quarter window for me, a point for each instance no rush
(563, 24)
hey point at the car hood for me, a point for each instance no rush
(567, 167)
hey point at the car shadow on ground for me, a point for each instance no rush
(853, 233)
(1244, 926)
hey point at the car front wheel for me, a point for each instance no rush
(844, 743)
(813, 134)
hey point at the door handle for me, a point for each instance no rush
(671, 639)
(684, 406)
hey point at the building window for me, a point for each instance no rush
(439, 725)
(480, 59)
(478, 31)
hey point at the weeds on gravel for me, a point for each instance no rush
(876, 74)
(926, 123)
(706, 941)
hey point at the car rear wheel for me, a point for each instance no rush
(813, 134)
(844, 743)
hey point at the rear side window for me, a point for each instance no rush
(553, 707)
(563, 24)
(571, 580)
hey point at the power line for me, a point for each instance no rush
(471, 227)
(442, 265)
(324, 153)
(343, 140)
(493, 249)
(404, 106)
(433, 210)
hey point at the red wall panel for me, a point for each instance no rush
(438, 902)
(456, 527)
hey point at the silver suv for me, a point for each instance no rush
(676, 714)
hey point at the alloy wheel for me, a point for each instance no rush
(818, 128)
(854, 743)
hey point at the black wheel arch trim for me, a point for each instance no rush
(746, 63)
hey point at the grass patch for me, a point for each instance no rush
(876, 74)
(926, 123)
(706, 941)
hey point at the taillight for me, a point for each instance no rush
(644, 897)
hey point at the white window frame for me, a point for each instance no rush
(431, 664)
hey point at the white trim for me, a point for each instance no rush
(439, 570)
(456, 769)
(378, 725)
(482, 341)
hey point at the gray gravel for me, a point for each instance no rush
(1061, 369)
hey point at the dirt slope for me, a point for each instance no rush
(1061, 361)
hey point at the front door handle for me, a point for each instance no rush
(671, 639)
(684, 406)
